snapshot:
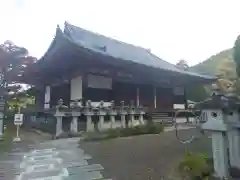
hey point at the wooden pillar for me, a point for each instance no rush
(47, 97)
(185, 102)
(155, 96)
(137, 100)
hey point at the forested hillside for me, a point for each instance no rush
(221, 64)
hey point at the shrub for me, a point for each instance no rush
(151, 128)
(154, 128)
(113, 133)
(195, 167)
(95, 136)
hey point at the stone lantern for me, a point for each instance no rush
(233, 130)
(59, 114)
(131, 112)
(101, 114)
(214, 109)
(112, 113)
(123, 114)
(140, 111)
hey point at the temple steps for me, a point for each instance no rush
(162, 117)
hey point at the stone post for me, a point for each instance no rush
(47, 97)
(74, 123)
(1, 124)
(2, 106)
(131, 112)
(112, 113)
(233, 132)
(59, 116)
(141, 112)
(76, 108)
(101, 114)
(216, 118)
(123, 114)
(89, 113)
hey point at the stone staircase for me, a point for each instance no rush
(162, 117)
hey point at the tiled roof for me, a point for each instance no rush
(121, 50)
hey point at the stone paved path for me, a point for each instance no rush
(51, 160)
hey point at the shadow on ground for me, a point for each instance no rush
(143, 157)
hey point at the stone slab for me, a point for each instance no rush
(41, 167)
(85, 176)
(93, 167)
(43, 174)
(43, 150)
(74, 163)
(56, 161)
(41, 154)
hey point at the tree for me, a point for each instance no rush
(196, 93)
(236, 54)
(182, 64)
(13, 62)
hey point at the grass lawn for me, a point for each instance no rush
(143, 157)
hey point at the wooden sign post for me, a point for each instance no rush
(18, 121)
(2, 105)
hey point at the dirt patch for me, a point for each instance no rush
(143, 157)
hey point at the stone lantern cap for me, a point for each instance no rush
(228, 101)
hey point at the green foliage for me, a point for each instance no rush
(151, 128)
(20, 101)
(6, 141)
(236, 54)
(223, 66)
(216, 63)
(182, 64)
(195, 166)
(196, 93)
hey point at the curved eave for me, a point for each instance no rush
(55, 44)
(63, 39)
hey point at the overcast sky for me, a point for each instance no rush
(173, 29)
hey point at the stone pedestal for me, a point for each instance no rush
(101, 122)
(1, 124)
(216, 125)
(112, 115)
(220, 154)
(59, 125)
(234, 139)
(123, 119)
(141, 121)
(90, 125)
(74, 124)
(101, 115)
(59, 116)
(131, 118)
(113, 122)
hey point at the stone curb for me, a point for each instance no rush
(39, 132)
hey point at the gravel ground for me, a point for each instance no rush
(147, 157)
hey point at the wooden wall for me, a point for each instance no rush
(124, 92)
(60, 92)
(164, 98)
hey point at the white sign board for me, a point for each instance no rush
(99, 82)
(76, 88)
(178, 91)
(18, 119)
